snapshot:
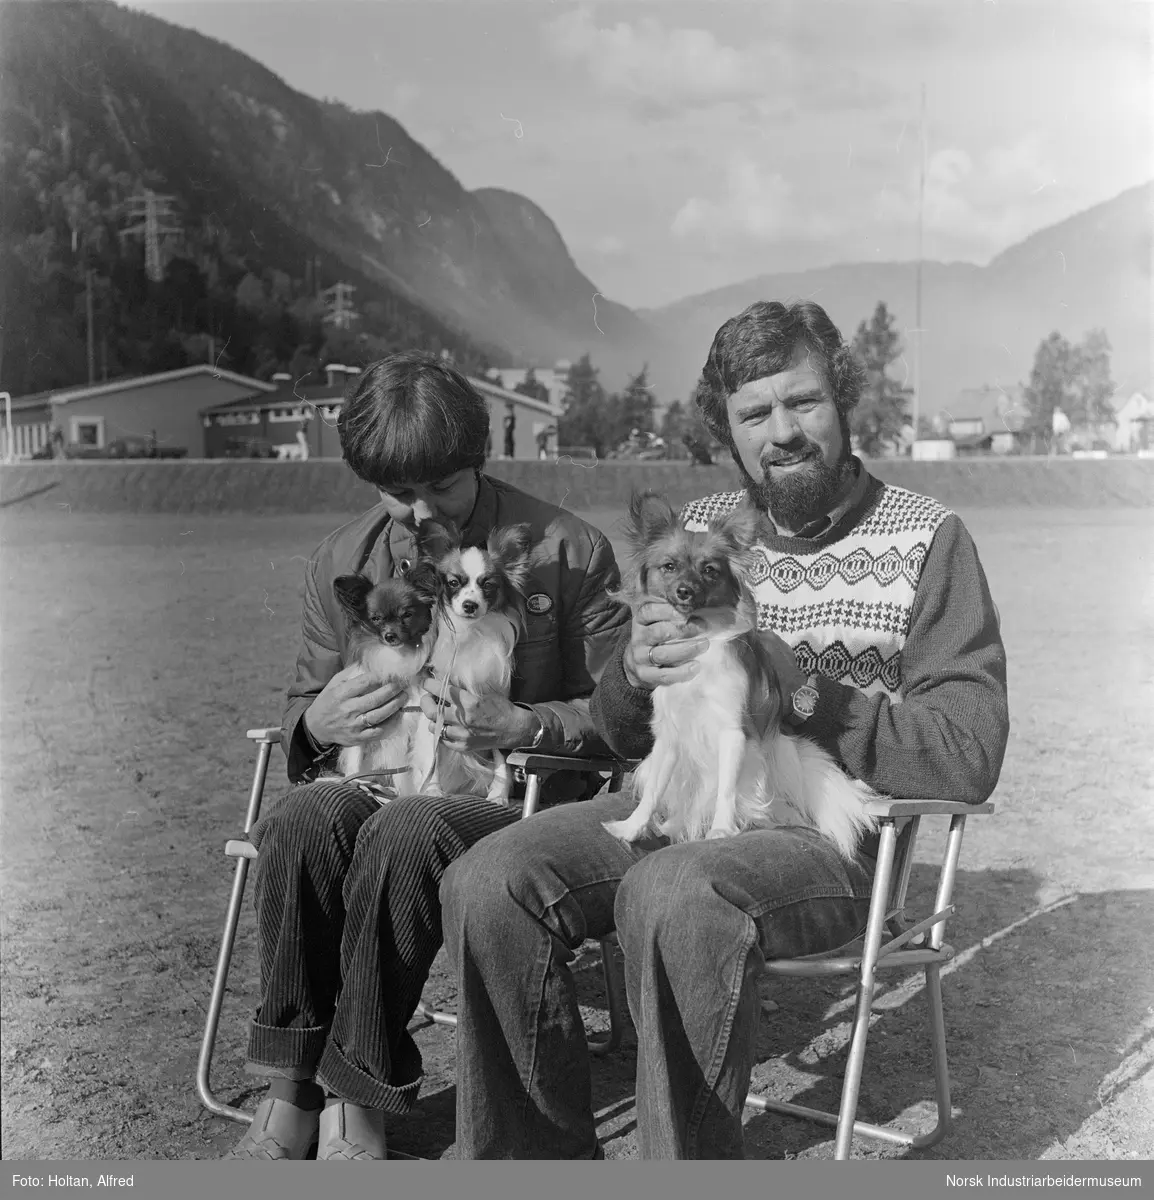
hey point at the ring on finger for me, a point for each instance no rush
(651, 662)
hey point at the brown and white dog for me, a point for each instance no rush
(721, 763)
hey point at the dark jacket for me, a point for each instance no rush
(571, 628)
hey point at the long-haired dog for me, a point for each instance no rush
(391, 635)
(721, 762)
(480, 616)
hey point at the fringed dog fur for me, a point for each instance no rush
(480, 615)
(721, 763)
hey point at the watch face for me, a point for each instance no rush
(805, 701)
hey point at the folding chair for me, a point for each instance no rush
(891, 941)
(531, 769)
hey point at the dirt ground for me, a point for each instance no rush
(136, 651)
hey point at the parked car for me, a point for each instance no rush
(141, 447)
(249, 448)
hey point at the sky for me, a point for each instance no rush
(682, 146)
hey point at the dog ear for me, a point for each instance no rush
(511, 546)
(745, 526)
(352, 591)
(650, 517)
(434, 539)
(743, 530)
(426, 580)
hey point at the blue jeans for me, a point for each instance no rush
(696, 922)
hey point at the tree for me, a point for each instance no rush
(584, 421)
(1073, 378)
(531, 386)
(883, 410)
(633, 409)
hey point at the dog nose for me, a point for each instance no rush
(683, 592)
(469, 607)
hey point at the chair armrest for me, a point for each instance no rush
(533, 763)
(888, 810)
(271, 734)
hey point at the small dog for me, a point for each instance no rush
(480, 615)
(720, 761)
(391, 637)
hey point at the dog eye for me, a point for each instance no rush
(669, 567)
(453, 583)
(709, 571)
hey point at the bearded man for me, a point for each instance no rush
(875, 608)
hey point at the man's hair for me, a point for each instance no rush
(412, 418)
(762, 341)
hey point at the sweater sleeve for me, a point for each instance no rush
(946, 738)
(623, 714)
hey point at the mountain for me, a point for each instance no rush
(285, 179)
(981, 325)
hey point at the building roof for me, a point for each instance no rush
(68, 395)
(318, 394)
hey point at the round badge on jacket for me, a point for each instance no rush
(539, 603)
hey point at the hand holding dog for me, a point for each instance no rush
(351, 708)
(661, 647)
(473, 723)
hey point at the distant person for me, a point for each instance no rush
(887, 653)
(346, 888)
(510, 431)
(543, 441)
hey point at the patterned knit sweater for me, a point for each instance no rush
(890, 608)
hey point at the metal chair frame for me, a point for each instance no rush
(891, 941)
(532, 769)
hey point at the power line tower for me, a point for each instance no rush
(153, 213)
(338, 301)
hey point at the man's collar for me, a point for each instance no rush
(850, 499)
(402, 544)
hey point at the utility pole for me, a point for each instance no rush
(918, 275)
(91, 333)
(153, 212)
(338, 299)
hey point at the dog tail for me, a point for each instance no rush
(828, 799)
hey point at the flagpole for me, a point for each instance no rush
(918, 274)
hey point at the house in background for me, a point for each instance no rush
(275, 419)
(166, 406)
(554, 379)
(1134, 424)
(986, 420)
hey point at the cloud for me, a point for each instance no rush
(663, 69)
(755, 204)
(670, 68)
(982, 204)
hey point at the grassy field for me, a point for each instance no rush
(137, 649)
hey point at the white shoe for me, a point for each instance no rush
(350, 1133)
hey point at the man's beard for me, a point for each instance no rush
(806, 494)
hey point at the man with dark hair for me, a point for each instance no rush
(875, 609)
(348, 918)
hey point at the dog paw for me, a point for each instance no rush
(625, 831)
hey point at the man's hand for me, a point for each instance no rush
(473, 723)
(661, 647)
(352, 707)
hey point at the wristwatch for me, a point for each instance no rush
(803, 703)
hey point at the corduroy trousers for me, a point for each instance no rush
(348, 925)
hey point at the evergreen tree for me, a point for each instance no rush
(883, 410)
(584, 421)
